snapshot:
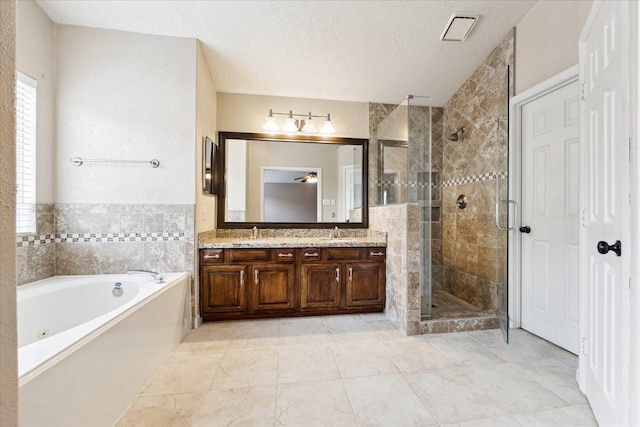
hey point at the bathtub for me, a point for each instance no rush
(84, 354)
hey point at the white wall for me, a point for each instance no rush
(205, 126)
(125, 96)
(247, 113)
(35, 58)
(8, 339)
(547, 40)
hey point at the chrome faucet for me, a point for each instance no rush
(156, 276)
(335, 233)
(255, 233)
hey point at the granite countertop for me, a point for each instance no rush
(211, 241)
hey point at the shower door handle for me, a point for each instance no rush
(515, 214)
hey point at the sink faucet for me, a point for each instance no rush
(255, 233)
(335, 233)
(156, 276)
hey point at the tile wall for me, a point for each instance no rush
(107, 238)
(473, 251)
(402, 224)
(418, 134)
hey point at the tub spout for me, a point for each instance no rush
(156, 276)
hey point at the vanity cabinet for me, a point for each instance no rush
(270, 282)
(274, 283)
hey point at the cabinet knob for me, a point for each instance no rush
(256, 276)
(289, 255)
(376, 253)
(312, 254)
(338, 274)
(216, 256)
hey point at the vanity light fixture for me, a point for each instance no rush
(298, 123)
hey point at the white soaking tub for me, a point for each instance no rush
(84, 353)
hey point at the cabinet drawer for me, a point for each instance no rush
(285, 255)
(334, 254)
(211, 256)
(375, 253)
(249, 255)
(310, 255)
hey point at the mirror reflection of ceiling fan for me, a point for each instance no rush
(311, 177)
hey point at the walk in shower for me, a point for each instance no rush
(452, 162)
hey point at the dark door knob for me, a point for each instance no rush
(604, 247)
(525, 229)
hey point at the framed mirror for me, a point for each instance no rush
(292, 181)
(210, 174)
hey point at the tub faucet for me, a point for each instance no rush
(156, 276)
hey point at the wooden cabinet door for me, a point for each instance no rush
(365, 284)
(223, 289)
(273, 286)
(320, 285)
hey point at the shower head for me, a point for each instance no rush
(454, 136)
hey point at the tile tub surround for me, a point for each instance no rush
(358, 370)
(36, 254)
(107, 238)
(472, 248)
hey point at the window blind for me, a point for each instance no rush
(26, 154)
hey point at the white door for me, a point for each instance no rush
(550, 216)
(604, 323)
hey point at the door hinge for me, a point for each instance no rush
(583, 346)
(582, 98)
(584, 218)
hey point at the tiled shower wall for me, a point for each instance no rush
(107, 238)
(418, 128)
(475, 166)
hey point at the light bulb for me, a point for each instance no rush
(309, 126)
(290, 124)
(328, 126)
(270, 124)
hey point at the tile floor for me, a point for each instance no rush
(358, 370)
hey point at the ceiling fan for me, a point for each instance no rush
(311, 177)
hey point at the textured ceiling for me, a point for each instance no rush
(378, 51)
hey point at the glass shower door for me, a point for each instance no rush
(506, 210)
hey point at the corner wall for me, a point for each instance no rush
(206, 99)
(8, 337)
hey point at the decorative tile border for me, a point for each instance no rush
(411, 184)
(97, 237)
(475, 178)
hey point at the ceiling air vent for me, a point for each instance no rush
(459, 27)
